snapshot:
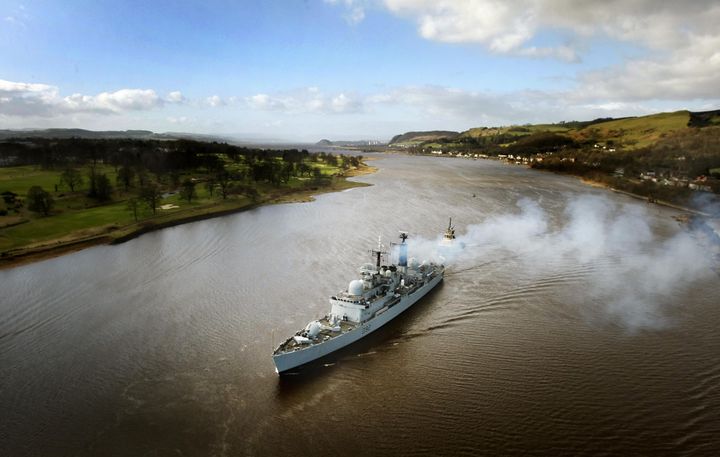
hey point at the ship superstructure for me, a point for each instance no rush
(380, 294)
(449, 236)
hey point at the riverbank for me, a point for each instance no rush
(114, 234)
(603, 185)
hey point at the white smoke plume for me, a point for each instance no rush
(631, 270)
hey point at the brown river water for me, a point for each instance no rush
(574, 322)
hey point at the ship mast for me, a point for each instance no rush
(450, 232)
(379, 252)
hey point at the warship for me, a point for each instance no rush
(379, 295)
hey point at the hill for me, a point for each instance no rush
(622, 134)
(672, 157)
(349, 143)
(75, 133)
(105, 135)
(419, 137)
(633, 132)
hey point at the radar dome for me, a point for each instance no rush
(355, 287)
(413, 263)
(313, 328)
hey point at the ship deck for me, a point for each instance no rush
(323, 335)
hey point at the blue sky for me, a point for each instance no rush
(349, 69)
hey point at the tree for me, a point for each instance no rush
(150, 194)
(92, 192)
(132, 205)
(331, 159)
(125, 176)
(223, 180)
(188, 190)
(71, 177)
(103, 189)
(142, 176)
(39, 200)
(286, 170)
(317, 175)
(304, 169)
(210, 185)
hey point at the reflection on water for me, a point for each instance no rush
(161, 346)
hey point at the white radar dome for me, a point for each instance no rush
(355, 287)
(413, 263)
(313, 328)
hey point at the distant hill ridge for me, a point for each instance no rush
(627, 132)
(75, 133)
(417, 137)
(59, 133)
(353, 143)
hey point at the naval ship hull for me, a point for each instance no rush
(290, 360)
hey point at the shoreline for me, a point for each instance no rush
(599, 184)
(602, 185)
(117, 235)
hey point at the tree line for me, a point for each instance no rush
(145, 169)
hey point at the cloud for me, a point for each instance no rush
(175, 97)
(451, 107)
(308, 100)
(180, 120)
(355, 10)
(266, 102)
(215, 101)
(681, 39)
(444, 101)
(24, 99)
(112, 102)
(43, 100)
(687, 73)
(509, 25)
(18, 17)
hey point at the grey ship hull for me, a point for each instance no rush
(290, 360)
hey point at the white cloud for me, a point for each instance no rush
(215, 101)
(681, 39)
(43, 100)
(685, 74)
(308, 100)
(451, 105)
(18, 17)
(509, 25)
(355, 10)
(113, 102)
(175, 97)
(180, 120)
(265, 102)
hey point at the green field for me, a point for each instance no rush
(636, 132)
(75, 216)
(20, 179)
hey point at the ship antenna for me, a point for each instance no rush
(379, 252)
(403, 236)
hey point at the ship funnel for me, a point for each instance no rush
(402, 258)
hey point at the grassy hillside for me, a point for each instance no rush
(665, 156)
(514, 130)
(420, 137)
(624, 134)
(634, 132)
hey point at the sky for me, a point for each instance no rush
(303, 70)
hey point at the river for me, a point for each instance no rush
(556, 331)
